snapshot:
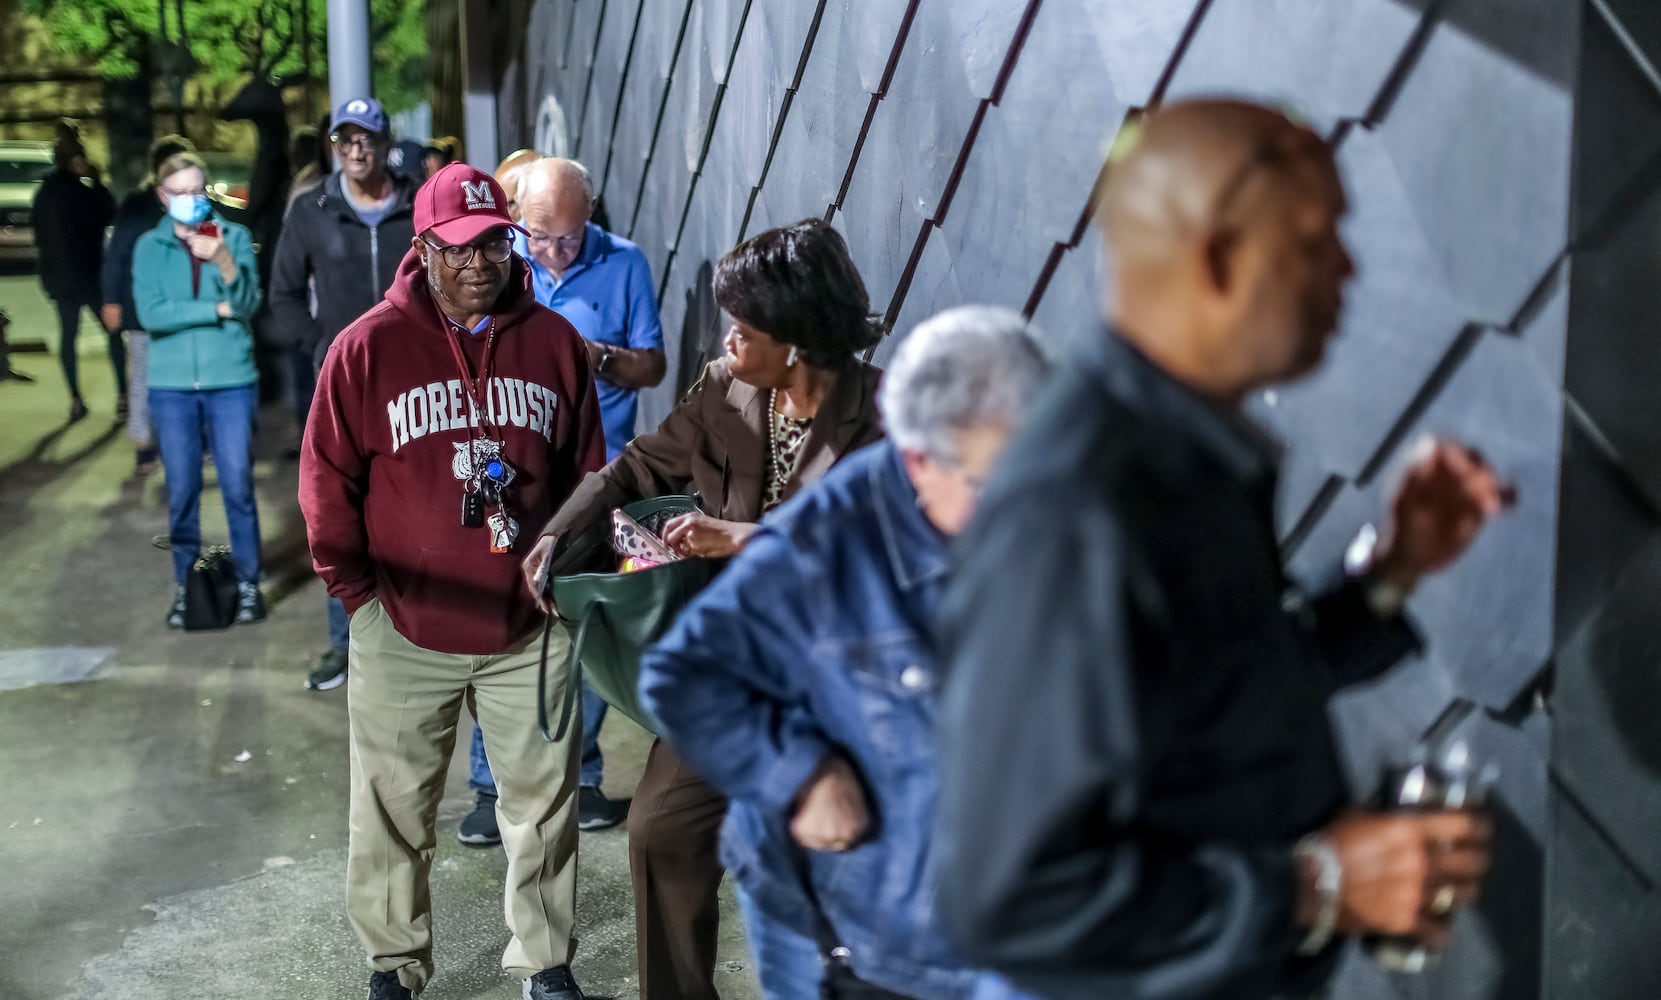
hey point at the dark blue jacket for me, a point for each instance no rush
(138, 214)
(819, 637)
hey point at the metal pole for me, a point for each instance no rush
(349, 64)
(479, 98)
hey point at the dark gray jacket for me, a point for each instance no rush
(353, 264)
(1133, 729)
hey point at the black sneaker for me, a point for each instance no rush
(478, 829)
(596, 812)
(329, 673)
(552, 984)
(385, 986)
(176, 612)
(250, 605)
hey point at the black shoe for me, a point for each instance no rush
(121, 407)
(329, 673)
(385, 986)
(478, 829)
(176, 612)
(596, 812)
(552, 984)
(250, 605)
(77, 409)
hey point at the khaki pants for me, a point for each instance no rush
(404, 703)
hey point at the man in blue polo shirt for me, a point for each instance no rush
(598, 281)
(601, 283)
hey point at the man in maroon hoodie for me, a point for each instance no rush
(450, 422)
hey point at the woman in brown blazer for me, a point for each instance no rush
(789, 399)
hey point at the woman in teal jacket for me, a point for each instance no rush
(195, 288)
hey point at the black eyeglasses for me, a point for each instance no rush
(356, 144)
(455, 258)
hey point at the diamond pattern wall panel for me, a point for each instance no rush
(1607, 742)
(1488, 179)
(1601, 923)
(614, 49)
(1327, 61)
(955, 144)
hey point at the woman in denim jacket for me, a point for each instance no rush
(801, 683)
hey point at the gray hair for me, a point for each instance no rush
(963, 368)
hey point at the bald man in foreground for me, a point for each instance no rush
(1141, 795)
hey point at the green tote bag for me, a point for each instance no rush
(613, 617)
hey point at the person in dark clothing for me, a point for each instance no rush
(1124, 648)
(342, 242)
(311, 171)
(71, 210)
(139, 212)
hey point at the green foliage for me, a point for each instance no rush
(230, 39)
(399, 50)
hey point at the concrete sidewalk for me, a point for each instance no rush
(140, 857)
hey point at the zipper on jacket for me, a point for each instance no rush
(375, 255)
(195, 357)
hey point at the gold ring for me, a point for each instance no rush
(1442, 903)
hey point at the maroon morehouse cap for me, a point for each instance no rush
(460, 203)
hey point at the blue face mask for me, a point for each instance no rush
(190, 209)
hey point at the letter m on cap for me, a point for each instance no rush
(478, 195)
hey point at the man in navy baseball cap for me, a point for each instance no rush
(338, 254)
(364, 112)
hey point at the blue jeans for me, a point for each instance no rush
(478, 765)
(593, 765)
(340, 629)
(787, 963)
(225, 418)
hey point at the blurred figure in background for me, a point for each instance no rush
(408, 158)
(440, 153)
(311, 171)
(801, 683)
(510, 171)
(70, 212)
(789, 400)
(196, 289)
(139, 212)
(340, 250)
(1140, 792)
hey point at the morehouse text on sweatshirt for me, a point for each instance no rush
(380, 482)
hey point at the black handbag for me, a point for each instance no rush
(210, 591)
(840, 982)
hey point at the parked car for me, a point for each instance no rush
(23, 165)
(230, 174)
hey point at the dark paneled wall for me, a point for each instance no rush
(1508, 283)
